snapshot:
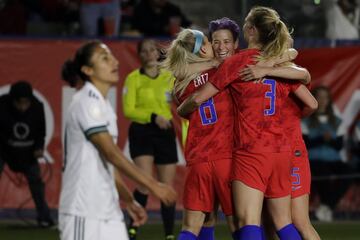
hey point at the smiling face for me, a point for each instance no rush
(104, 66)
(223, 44)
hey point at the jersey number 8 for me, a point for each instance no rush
(212, 118)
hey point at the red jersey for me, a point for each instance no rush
(210, 133)
(292, 114)
(257, 106)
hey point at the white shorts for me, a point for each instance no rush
(80, 228)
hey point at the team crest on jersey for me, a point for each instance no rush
(201, 80)
(95, 112)
(93, 95)
(297, 153)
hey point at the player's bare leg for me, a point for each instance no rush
(248, 206)
(301, 219)
(247, 201)
(280, 212)
(193, 221)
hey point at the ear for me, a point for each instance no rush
(252, 31)
(236, 44)
(202, 50)
(87, 70)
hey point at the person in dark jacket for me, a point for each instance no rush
(22, 138)
(158, 18)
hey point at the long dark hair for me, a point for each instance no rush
(71, 69)
(329, 111)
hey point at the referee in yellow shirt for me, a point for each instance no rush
(146, 102)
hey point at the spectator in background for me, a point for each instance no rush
(354, 143)
(146, 102)
(343, 19)
(94, 11)
(159, 18)
(22, 139)
(13, 15)
(324, 139)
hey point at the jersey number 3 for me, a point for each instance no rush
(210, 118)
(271, 94)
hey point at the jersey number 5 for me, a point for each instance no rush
(271, 95)
(212, 118)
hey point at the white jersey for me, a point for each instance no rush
(88, 185)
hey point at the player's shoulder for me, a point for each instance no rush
(133, 75)
(165, 73)
(87, 94)
(242, 55)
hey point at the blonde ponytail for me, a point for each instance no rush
(178, 57)
(273, 33)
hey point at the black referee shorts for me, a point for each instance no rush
(149, 139)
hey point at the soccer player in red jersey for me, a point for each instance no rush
(300, 173)
(261, 154)
(208, 150)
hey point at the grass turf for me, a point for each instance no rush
(327, 231)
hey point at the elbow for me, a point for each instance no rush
(307, 78)
(196, 101)
(314, 105)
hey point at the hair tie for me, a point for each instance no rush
(199, 37)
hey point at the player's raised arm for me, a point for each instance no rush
(196, 99)
(107, 148)
(288, 56)
(253, 72)
(308, 99)
(197, 67)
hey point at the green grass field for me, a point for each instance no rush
(328, 231)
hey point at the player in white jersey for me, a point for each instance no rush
(89, 203)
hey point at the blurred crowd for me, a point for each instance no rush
(334, 154)
(91, 17)
(332, 19)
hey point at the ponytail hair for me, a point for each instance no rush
(71, 69)
(178, 57)
(273, 33)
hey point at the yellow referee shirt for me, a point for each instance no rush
(143, 95)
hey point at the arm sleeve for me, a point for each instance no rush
(228, 72)
(41, 129)
(91, 117)
(129, 98)
(294, 86)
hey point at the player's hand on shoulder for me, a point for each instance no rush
(165, 193)
(264, 63)
(253, 72)
(137, 213)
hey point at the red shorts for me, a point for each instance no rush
(300, 173)
(267, 172)
(208, 183)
